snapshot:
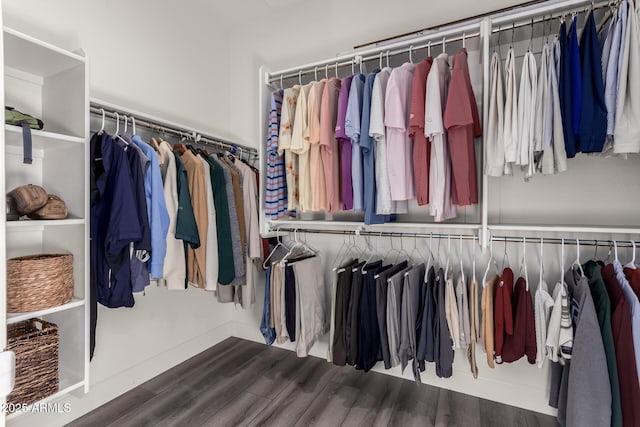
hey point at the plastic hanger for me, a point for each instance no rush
(505, 257)
(326, 71)
(117, 123)
(632, 263)
(523, 265)
(430, 260)
(562, 260)
(444, 45)
(473, 256)
(464, 40)
(615, 248)
(446, 269)
(339, 253)
(133, 125)
(388, 66)
(315, 73)
(491, 260)
(411, 54)
(381, 60)
(576, 263)
(415, 249)
(541, 262)
(353, 66)
(300, 77)
(429, 48)
(281, 85)
(126, 123)
(337, 70)
(460, 256)
(279, 244)
(101, 131)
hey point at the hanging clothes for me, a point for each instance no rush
(329, 148)
(316, 168)
(196, 257)
(443, 351)
(522, 342)
(413, 280)
(511, 134)
(367, 147)
(488, 343)
(554, 157)
(440, 205)
(494, 154)
(474, 316)
(565, 92)
(352, 130)
(463, 126)
(346, 191)
(526, 114)
(284, 145)
(575, 67)
(421, 145)
(275, 198)
(211, 252)
(300, 147)
(503, 312)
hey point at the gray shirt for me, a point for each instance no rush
(413, 280)
(381, 310)
(395, 285)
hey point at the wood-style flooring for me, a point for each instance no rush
(243, 383)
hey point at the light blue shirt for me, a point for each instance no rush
(635, 309)
(156, 209)
(352, 130)
(623, 16)
(611, 76)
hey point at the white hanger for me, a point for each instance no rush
(315, 73)
(281, 85)
(103, 119)
(381, 60)
(505, 257)
(126, 123)
(632, 263)
(473, 262)
(264, 264)
(444, 45)
(411, 54)
(562, 260)
(430, 253)
(577, 261)
(429, 48)
(486, 271)
(326, 71)
(370, 257)
(541, 278)
(300, 77)
(360, 61)
(337, 70)
(353, 66)
(388, 59)
(133, 124)
(460, 256)
(117, 123)
(464, 40)
(446, 270)
(415, 249)
(402, 251)
(337, 257)
(615, 248)
(524, 262)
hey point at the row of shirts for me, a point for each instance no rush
(579, 100)
(176, 217)
(372, 143)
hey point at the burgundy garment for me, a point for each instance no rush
(463, 125)
(625, 354)
(421, 145)
(523, 340)
(345, 146)
(503, 311)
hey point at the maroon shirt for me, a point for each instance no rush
(421, 145)
(503, 311)
(523, 340)
(625, 353)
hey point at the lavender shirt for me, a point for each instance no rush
(345, 144)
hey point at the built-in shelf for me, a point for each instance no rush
(34, 56)
(66, 387)
(38, 224)
(41, 139)
(19, 317)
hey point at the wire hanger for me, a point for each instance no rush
(632, 263)
(562, 260)
(339, 253)
(541, 262)
(415, 249)
(513, 33)
(103, 120)
(370, 257)
(576, 263)
(491, 260)
(446, 270)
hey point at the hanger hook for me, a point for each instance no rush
(411, 54)
(126, 123)
(281, 85)
(353, 65)
(387, 59)
(513, 33)
(315, 73)
(133, 124)
(115, 113)
(104, 115)
(429, 48)
(300, 77)
(615, 247)
(360, 63)
(578, 251)
(444, 41)
(530, 37)
(326, 71)
(381, 60)
(337, 70)
(464, 40)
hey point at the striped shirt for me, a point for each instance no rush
(276, 183)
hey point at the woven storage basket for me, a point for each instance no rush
(35, 343)
(38, 282)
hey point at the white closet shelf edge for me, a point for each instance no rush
(352, 226)
(565, 229)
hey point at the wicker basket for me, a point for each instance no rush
(38, 282)
(35, 343)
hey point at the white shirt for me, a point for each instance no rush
(627, 130)
(174, 269)
(526, 112)
(440, 205)
(510, 133)
(494, 153)
(300, 146)
(543, 305)
(554, 157)
(377, 130)
(211, 254)
(541, 97)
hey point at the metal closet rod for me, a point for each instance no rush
(357, 59)
(474, 237)
(97, 109)
(550, 17)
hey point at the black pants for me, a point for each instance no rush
(368, 333)
(290, 301)
(343, 293)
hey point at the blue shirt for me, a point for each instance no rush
(275, 193)
(576, 76)
(368, 149)
(156, 209)
(564, 89)
(593, 120)
(267, 331)
(352, 130)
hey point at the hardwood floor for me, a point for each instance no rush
(243, 383)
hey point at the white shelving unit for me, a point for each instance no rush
(50, 83)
